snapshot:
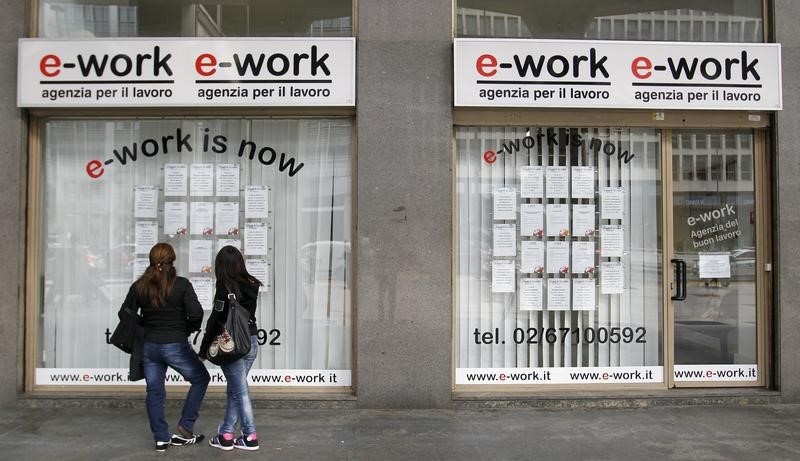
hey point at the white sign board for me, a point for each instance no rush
(186, 72)
(617, 74)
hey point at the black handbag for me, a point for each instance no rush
(124, 335)
(233, 341)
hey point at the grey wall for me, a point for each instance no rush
(787, 172)
(404, 121)
(12, 240)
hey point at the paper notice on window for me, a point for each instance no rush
(227, 180)
(227, 218)
(530, 294)
(531, 182)
(583, 224)
(557, 257)
(583, 257)
(229, 242)
(504, 240)
(255, 239)
(175, 218)
(531, 217)
(139, 266)
(505, 203)
(201, 218)
(201, 181)
(176, 180)
(256, 202)
(503, 276)
(557, 222)
(557, 181)
(612, 275)
(612, 203)
(200, 256)
(584, 294)
(204, 289)
(612, 241)
(583, 182)
(714, 265)
(259, 268)
(145, 236)
(558, 294)
(532, 258)
(145, 202)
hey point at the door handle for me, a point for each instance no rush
(680, 279)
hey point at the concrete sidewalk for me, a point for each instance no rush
(757, 432)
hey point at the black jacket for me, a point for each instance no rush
(175, 321)
(249, 300)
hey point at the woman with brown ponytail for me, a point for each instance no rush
(170, 313)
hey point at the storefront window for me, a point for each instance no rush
(558, 256)
(279, 189)
(659, 20)
(157, 18)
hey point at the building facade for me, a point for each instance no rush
(450, 203)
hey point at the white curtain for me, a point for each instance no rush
(477, 307)
(88, 233)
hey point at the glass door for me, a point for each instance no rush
(714, 298)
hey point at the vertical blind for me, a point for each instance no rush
(477, 307)
(88, 255)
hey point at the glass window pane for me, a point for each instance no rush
(471, 25)
(713, 234)
(617, 20)
(533, 241)
(659, 28)
(711, 31)
(94, 241)
(697, 31)
(499, 27)
(716, 141)
(730, 167)
(676, 164)
(716, 167)
(687, 166)
(151, 18)
(747, 167)
(647, 30)
(672, 30)
(700, 141)
(730, 141)
(633, 30)
(513, 27)
(701, 162)
(683, 32)
(619, 29)
(723, 32)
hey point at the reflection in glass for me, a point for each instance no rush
(224, 18)
(659, 20)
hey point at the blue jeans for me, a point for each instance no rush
(239, 407)
(182, 358)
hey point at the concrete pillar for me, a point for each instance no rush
(787, 222)
(404, 204)
(12, 203)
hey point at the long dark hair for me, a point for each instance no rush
(229, 268)
(158, 278)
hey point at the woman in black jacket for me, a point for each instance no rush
(232, 277)
(170, 313)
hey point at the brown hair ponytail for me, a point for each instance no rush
(158, 278)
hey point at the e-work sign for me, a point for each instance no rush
(617, 74)
(186, 72)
